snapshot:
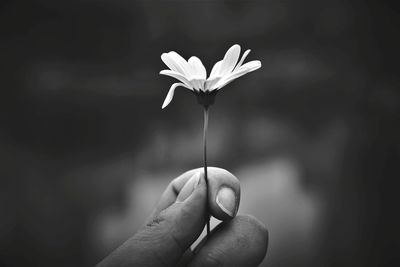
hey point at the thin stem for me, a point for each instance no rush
(205, 161)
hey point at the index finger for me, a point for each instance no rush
(242, 241)
(220, 184)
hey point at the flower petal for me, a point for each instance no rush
(182, 63)
(244, 69)
(198, 69)
(198, 84)
(209, 85)
(230, 59)
(215, 70)
(165, 57)
(171, 92)
(251, 66)
(242, 59)
(177, 76)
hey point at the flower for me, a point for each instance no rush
(193, 76)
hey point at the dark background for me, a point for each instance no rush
(314, 136)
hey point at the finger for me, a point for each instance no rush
(163, 241)
(242, 241)
(185, 259)
(223, 192)
(171, 193)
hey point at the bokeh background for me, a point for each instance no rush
(313, 135)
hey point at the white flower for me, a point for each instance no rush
(193, 76)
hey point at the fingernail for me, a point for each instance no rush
(226, 200)
(189, 187)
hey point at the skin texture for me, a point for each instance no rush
(179, 218)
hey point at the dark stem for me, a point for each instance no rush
(205, 162)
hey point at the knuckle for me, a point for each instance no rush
(157, 220)
(185, 212)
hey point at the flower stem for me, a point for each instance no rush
(205, 162)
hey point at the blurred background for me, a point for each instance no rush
(313, 136)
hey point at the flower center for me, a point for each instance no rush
(206, 98)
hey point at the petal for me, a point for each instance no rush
(165, 57)
(230, 59)
(209, 85)
(171, 92)
(215, 70)
(251, 66)
(198, 84)
(177, 76)
(198, 69)
(246, 68)
(242, 59)
(182, 63)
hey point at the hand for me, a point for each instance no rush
(179, 218)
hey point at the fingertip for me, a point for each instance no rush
(224, 193)
(198, 196)
(260, 233)
(189, 187)
(241, 241)
(226, 201)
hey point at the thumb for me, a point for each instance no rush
(163, 241)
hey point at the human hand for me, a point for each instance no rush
(179, 218)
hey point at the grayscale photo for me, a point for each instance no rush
(199, 133)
